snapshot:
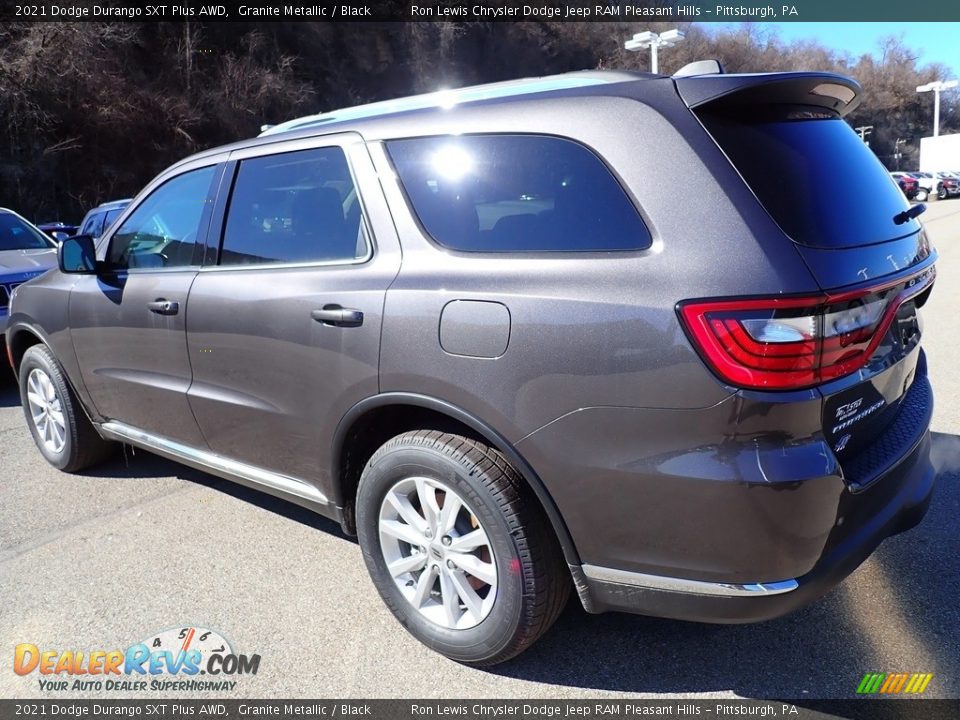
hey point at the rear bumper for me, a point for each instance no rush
(603, 589)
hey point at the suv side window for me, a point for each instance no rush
(295, 207)
(516, 193)
(162, 232)
(109, 217)
(93, 226)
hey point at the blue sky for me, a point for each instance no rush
(936, 42)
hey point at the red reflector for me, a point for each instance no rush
(794, 343)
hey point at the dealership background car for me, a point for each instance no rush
(908, 185)
(98, 219)
(59, 231)
(949, 185)
(477, 330)
(25, 253)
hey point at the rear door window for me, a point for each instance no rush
(813, 174)
(295, 207)
(515, 194)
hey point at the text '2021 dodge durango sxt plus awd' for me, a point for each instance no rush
(484, 332)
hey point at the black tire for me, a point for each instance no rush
(941, 193)
(82, 446)
(533, 580)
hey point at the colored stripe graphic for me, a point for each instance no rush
(894, 683)
(862, 687)
(900, 682)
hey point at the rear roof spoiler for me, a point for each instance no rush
(821, 89)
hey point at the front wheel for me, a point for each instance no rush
(942, 193)
(60, 428)
(458, 547)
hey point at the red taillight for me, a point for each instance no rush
(793, 343)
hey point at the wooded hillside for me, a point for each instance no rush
(91, 111)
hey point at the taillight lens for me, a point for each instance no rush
(793, 343)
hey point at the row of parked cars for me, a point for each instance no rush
(95, 222)
(921, 186)
(28, 250)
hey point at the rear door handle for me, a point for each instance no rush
(164, 307)
(334, 315)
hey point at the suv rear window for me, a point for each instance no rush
(814, 175)
(516, 193)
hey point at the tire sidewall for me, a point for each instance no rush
(498, 629)
(33, 360)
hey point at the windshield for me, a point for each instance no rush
(15, 234)
(816, 178)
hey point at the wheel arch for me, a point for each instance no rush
(21, 338)
(350, 453)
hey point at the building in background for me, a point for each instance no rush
(940, 153)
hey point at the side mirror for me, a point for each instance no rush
(78, 255)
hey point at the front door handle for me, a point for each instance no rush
(334, 315)
(164, 307)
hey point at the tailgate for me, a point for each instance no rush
(786, 137)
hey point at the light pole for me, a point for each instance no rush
(896, 151)
(652, 40)
(864, 130)
(937, 86)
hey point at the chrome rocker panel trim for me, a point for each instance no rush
(250, 475)
(694, 587)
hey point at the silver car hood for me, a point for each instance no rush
(20, 261)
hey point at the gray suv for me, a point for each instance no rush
(484, 332)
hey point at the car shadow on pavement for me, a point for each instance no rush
(132, 464)
(9, 392)
(897, 613)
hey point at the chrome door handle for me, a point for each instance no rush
(334, 315)
(164, 307)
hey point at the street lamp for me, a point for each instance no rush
(937, 86)
(652, 40)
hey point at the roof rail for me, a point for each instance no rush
(451, 98)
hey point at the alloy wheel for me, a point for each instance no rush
(438, 553)
(46, 411)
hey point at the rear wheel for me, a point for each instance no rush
(941, 192)
(60, 428)
(921, 195)
(458, 547)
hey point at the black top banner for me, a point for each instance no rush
(482, 11)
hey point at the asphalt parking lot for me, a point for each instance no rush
(103, 560)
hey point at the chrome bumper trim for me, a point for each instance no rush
(694, 587)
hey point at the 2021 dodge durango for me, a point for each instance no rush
(483, 333)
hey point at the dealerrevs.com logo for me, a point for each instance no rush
(183, 658)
